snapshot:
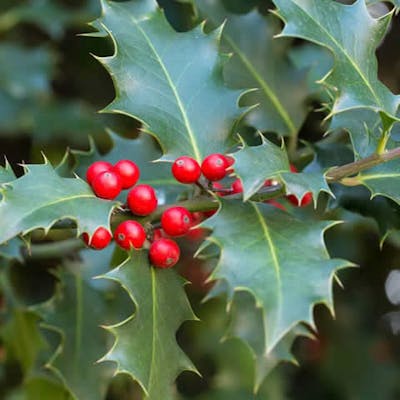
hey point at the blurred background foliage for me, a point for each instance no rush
(50, 89)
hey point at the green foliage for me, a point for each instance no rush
(179, 95)
(192, 78)
(276, 245)
(352, 36)
(51, 198)
(261, 64)
(145, 345)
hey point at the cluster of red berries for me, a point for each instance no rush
(107, 182)
(215, 167)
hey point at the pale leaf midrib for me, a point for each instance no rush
(186, 121)
(269, 93)
(271, 246)
(343, 50)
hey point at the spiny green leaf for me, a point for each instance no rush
(255, 164)
(76, 312)
(40, 198)
(260, 61)
(6, 174)
(143, 151)
(287, 267)
(247, 324)
(171, 81)
(352, 35)
(145, 346)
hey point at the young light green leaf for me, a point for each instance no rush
(352, 35)
(170, 81)
(287, 267)
(255, 164)
(145, 346)
(260, 61)
(40, 198)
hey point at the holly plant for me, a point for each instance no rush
(258, 134)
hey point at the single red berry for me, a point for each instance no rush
(214, 167)
(128, 171)
(276, 204)
(220, 190)
(130, 234)
(267, 182)
(176, 221)
(142, 200)
(186, 170)
(107, 185)
(237, 186)
(229, 162)
(100, 239)
(97, 168)
(196, 233)
(305, 201)
(158, 234)
(293, 169)
(208, 214)
(164, 253)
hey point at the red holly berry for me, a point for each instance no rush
(97, 168)
(164, 253)
(128, 172)
(100, 239)
(229, 162)
(158, 234)
(305, 201)
(186, 170)
(107, 185)
(214, 167)
(237, 186)
(293, 169)
(276, 204)
(196, 233)
(176, 221)
(130, 234)
(220, 190)
(142, 200)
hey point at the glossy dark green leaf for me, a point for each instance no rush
(255, 164)
(171, 81)
(352, 35)
(247, 325)
(76, 313)
(6, 174)
(145, 346)
(51, 198)
(262, 62)
(286, 268)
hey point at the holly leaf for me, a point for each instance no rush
(352, 35)
(247, 325)
(75, 313)
(170, 81)
(6, 174)
(288, 269)
(145, 346)
(260, 61)
(255, 164)
(41, 197)
(143, 151)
